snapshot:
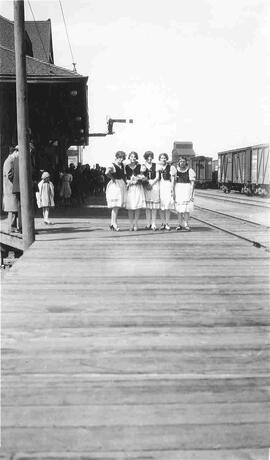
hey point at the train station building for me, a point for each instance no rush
(57, 98)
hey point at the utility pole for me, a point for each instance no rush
(27, 209)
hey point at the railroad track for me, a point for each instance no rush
(244, 228)
(233, 217)
(234, 199)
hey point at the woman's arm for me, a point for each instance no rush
(157, 178)
(109, 173)
(192, 186)
(52, 188)
(173, 176)
(192, 177)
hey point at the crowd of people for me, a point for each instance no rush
(71, 186)
(75, 184)
(151, 186)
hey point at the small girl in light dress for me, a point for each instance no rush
(45, 196)
(151, 190)
(116, 190)
(183, 185)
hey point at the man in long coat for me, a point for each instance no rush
(11, 202)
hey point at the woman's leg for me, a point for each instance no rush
(168, 215)
(130, 216)
(180, 220)
(186, 219)
(113, 216)
(11, 221)
(45, 212)
(162, 216)
(154, 217)
(137, 215)
(148, 217)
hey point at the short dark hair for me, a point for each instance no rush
(120, 154)
(165, 155)
(148, 154)
(134, 153)
(182, 157)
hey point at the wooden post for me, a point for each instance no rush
(27, 208)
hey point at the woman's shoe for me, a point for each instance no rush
(135, 228)
(147, 227)
(162, 227)
(131, 229)
(179, 228)
(14, 230)
(114, 228)
(153, 227)
(187, 228)
(167, 227)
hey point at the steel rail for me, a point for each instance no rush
(256, 244)
(236, 200)
(233, 217)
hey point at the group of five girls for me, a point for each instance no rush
(152, 187)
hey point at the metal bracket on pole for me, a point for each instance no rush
(110, 123)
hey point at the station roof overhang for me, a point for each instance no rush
(43, 79)
(57, 97)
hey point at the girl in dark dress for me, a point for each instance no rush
(183, 184)
(166, 199)
(151, 190)
(116, 189)
(135, 192)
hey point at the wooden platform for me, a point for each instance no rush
(135, 345)
(12, 240)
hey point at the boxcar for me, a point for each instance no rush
(245, 169)
(203, 168)
(260, 174)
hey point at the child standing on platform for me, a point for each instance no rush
(45, 196)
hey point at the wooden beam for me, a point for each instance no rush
(22, 125)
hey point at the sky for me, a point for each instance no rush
(183, 70)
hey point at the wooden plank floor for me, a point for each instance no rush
(135, 345)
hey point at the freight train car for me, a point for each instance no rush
(203, 168)
(245, 169)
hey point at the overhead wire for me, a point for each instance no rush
(72, 57)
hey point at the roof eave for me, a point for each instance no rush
(44, 78)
